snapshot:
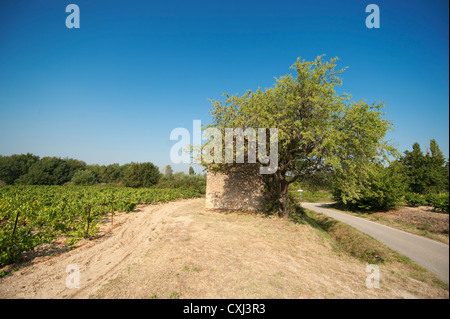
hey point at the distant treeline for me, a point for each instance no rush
(29, 169)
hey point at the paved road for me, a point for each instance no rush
(427, 253)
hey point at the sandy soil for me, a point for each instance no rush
(181, 250)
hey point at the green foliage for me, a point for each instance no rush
(83, 178)
(14, 166)
(191, 170)
(318, 181)
(181, 180)
(427, 173)
(168, 171)
(414, 199)
(318, 130)
(439, 201)
(141, 175)
(45, 212)
(383, 189)
(108, 174)
(50, 171)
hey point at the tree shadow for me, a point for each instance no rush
(300, 216)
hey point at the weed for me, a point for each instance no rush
(439, 283)
(174, 295)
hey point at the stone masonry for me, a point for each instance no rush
(240, 188)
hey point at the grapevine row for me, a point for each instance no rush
(33, 215)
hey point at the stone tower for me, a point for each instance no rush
(239, 188)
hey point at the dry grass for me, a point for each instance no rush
(420, 220)
(208, 254)
(181, 250)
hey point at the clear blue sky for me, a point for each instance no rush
(113, 90)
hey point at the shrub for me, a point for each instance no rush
(84, 178)
(181, 180)
(414, 199)
(141, 175)
(383, 189)
(439, 201)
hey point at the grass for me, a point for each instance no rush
(423, 228)
(248, 256)
(348, 240)
(174, 295)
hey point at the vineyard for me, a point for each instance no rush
(33, 215)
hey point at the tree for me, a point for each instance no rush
(14, 166)
(317, 128)
(436, 151)
(141, 175)
(414, 163)
(112, 173)
(65, 170)
(384, 189)
(51, 171)
(426, 173)
(84, 178)
(191, 170)
(168, 171)
(437, 170)
(42, 172)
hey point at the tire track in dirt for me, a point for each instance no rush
(98, 262)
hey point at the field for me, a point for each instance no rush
(126, 248)
(34, 215)
(181, 250)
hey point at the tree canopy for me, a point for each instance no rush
(318, 129)
(426, 172)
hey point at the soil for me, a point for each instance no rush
(181, 250)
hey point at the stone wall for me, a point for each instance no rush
(240, 188)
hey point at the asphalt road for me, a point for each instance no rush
(427, 253)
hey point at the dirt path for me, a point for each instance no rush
(181, 250)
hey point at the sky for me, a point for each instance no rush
(112, 90)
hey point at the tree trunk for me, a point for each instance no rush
(283, 199)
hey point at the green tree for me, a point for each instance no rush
(14, 166)
(383, 189)
(415, 167)
(317, 128)
(141, 175)
(191, 170)
(51, 171)
(84, 178)
(437, 170)
(426, 173)
(41, 173)
(112, 173)
(168, 171)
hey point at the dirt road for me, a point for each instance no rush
(181, 250)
